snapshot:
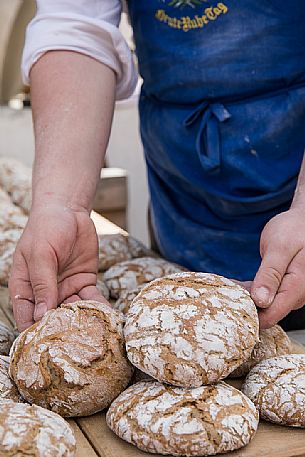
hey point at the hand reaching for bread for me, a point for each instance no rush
(56, 261)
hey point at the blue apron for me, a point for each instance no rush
(222, 114)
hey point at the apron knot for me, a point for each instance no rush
(208, 137)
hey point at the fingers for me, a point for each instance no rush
(43, 276)
(290, 296)
(269, 276)
(245, 284)
(92, 293)
(21, 293)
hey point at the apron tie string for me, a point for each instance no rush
(208, 138)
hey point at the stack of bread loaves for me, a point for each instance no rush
(188, 331)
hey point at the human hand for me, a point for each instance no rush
(279, 285)
(56, 261)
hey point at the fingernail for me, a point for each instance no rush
(40, 311)
(263, 296)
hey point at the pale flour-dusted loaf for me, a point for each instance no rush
(7, 337)
(190, 329)
(16, 179)
(272, 342)
(8, 243)
(11, 217)
(162, 419)
(133, 273)
(115, 248)
(102, 288)
(127, 296)
(8, 389)
(28, 430)
(277, 388)
(73, 361)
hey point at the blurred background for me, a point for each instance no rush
(122, 194)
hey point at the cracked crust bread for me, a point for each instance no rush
(126, 298)
(277, 388)
(118, 248)
(272, 343)
(8, 243)
(190, 329)
(7, 337)
(11, 216)
(102, 288)
(133, 273)
(8, 389)
(28, 430)
(163, 419)
(73, 361)
(16, 180)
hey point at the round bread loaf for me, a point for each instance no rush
(272, 342)
(11, 216)
(125, 300)
(73, 361)
(7, 337)
(133, 273)
(8, 390)
(102, 288)
(8, 242)
(118, 248)
(277, 388)
(190, 329)
(16, 179)
(32, 431)
(163, 419)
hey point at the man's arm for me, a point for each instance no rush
(56, 258)
(279, 286)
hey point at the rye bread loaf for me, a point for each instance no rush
(118, 248)
(272, 342)
(8, 243)
(133, 273)
(102, 288)
(127, 296)
(11, 217)
(73, 361)
(8, 389)
(277, 388)
(28, 430)
(190, 329)
(162, 419)
(16, 180)
(7, 337)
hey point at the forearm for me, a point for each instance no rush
(72, 99)
(299, 196)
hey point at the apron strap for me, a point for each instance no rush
(208, 138)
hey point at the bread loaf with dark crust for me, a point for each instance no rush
(190, 329)
(170, 420)
(73, 361)
(8, 389)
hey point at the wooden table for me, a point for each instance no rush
(94, 439)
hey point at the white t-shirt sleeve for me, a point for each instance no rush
(86, 26)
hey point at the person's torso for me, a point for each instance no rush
(190, 50)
